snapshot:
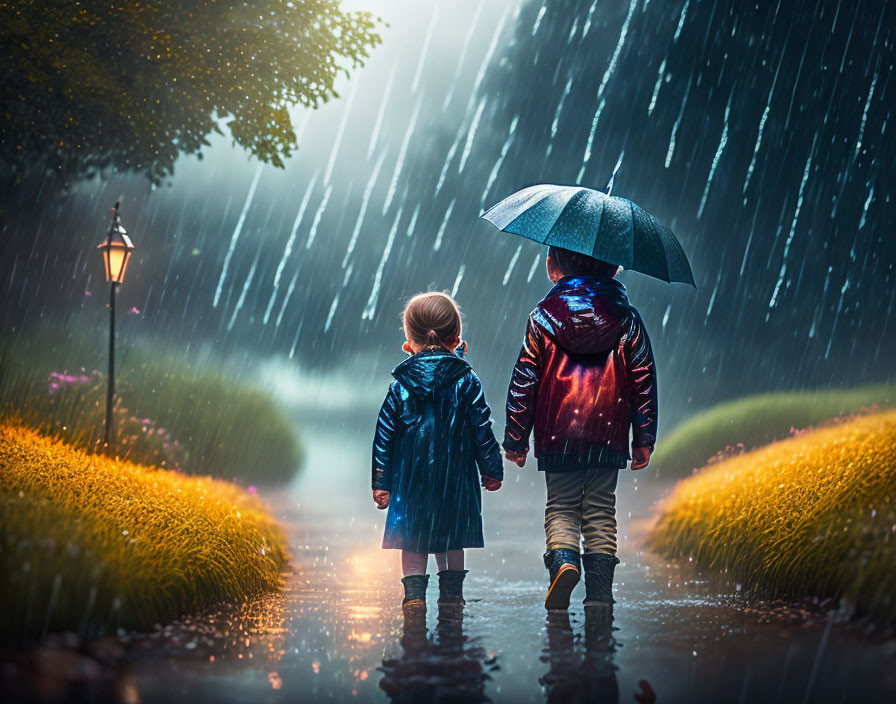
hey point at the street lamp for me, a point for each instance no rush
(116, 249)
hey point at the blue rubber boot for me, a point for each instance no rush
(415, 590)
(599, 569)
(563, 566)
(451, 587)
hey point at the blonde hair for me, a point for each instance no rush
(432, 319)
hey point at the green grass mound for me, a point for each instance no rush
(812, 515)
(89, 544)
(194, 413)
(757, 420)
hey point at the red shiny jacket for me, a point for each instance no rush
(584, 379)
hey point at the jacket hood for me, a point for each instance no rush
(429, 370)
(584, 314)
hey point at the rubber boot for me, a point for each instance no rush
(415, 590)
(563, 566)
(451, 587)
(599, 568)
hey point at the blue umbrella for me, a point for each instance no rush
(594, 223)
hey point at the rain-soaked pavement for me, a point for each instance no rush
(337, 632)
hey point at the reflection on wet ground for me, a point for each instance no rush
(337, 632)
(445, 665)
(580, 674)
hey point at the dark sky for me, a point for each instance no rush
(761, 133)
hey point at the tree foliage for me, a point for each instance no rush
(91, 84)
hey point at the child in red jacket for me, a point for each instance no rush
(584, 379)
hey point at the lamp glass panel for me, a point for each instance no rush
(124, 265)
(116, 258)
(106, 264)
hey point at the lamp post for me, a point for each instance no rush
(116, 250)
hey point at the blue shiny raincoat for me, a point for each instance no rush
(433, 441)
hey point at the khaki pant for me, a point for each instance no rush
(581, 506)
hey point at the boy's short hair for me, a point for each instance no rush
(576, 264)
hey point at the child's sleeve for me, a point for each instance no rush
(523, 392)
(642, 372)
(488, 453)
(383, 441)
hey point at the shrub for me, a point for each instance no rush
(89, 544)
(755, 421)
(812, 515)
(83, 398)
(229, 427)
(204, 418)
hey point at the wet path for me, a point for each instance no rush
(337, 632)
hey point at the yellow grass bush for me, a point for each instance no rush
(90, 544)
(813, 515)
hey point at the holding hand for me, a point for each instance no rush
(640, 457)
(491, 484)
(518, 458)
(646, 695)
(381, 498)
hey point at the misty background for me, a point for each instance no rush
(761, 133)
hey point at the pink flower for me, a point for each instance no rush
(134, 311)
(252, 490)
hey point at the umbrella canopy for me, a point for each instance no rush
(591, 222)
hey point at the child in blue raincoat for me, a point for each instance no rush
(433, 448)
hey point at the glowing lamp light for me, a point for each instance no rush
(116, 249)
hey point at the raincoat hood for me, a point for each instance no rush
(429, 370)
(585, 349)
(584, 314)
